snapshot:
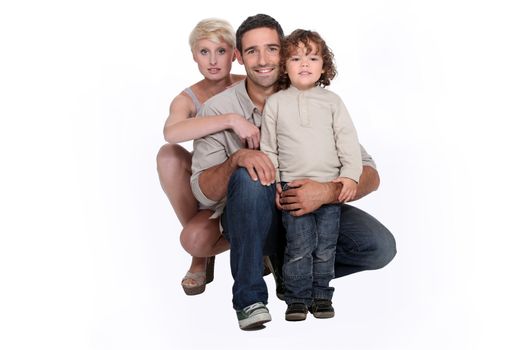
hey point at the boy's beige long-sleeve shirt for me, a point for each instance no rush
(309, 134)
(217, 148)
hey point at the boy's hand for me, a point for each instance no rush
(349, 189)
(278, 191)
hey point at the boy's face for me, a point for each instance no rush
(304, 69)
(260, 56)
(214, 59)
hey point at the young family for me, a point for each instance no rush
(275, 158)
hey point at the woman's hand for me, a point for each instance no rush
(246, 131)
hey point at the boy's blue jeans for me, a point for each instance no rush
(252, 225)
(309, 257)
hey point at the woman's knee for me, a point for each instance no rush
(173, 157)
(193, 244)
(199, 238)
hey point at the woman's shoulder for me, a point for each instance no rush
(183, 103)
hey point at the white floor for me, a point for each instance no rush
(89, 250)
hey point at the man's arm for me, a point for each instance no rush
(213, 182)
(309, 195)
(368, 182)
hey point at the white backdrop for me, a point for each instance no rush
(89, 250)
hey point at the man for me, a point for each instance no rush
(238, 183)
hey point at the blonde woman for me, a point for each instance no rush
(212, 43)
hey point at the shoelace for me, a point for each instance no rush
(252, 307)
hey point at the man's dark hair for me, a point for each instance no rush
(258, 21)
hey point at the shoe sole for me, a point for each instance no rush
(295, 317)
(194, 290)
(255, 321)
(325, 314)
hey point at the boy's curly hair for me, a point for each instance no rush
(290, 44)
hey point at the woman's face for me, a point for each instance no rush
(214, 60)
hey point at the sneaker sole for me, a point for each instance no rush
(326, 314)
(255, 321)
(295, 317)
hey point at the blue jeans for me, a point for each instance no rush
(250, 222)
(310, 254)
(253, 227)
(363, 244)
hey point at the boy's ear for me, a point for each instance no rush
(238, 56)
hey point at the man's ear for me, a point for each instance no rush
(238, 56)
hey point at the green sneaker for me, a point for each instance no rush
(253, 316)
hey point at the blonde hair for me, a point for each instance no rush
(213, 29)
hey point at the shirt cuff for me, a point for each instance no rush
(353, 174)
(197, 192)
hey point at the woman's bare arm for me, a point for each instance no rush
(182, 126)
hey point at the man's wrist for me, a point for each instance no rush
(332, 190)
(233, 160)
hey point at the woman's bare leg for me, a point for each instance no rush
(174, 168)
(201, 236)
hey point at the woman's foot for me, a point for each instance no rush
(200, 273)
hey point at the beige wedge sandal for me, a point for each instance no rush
(201, 278)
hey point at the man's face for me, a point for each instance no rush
(260, 56)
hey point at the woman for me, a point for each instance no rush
(212, 44)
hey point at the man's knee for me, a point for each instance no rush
(384, 252)
(241, 177)
(241, 182)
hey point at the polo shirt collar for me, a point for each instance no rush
(244, 98)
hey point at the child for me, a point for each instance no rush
(308, 133)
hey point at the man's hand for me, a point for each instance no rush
(258, 165)
(309, 195)
(305, 196)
